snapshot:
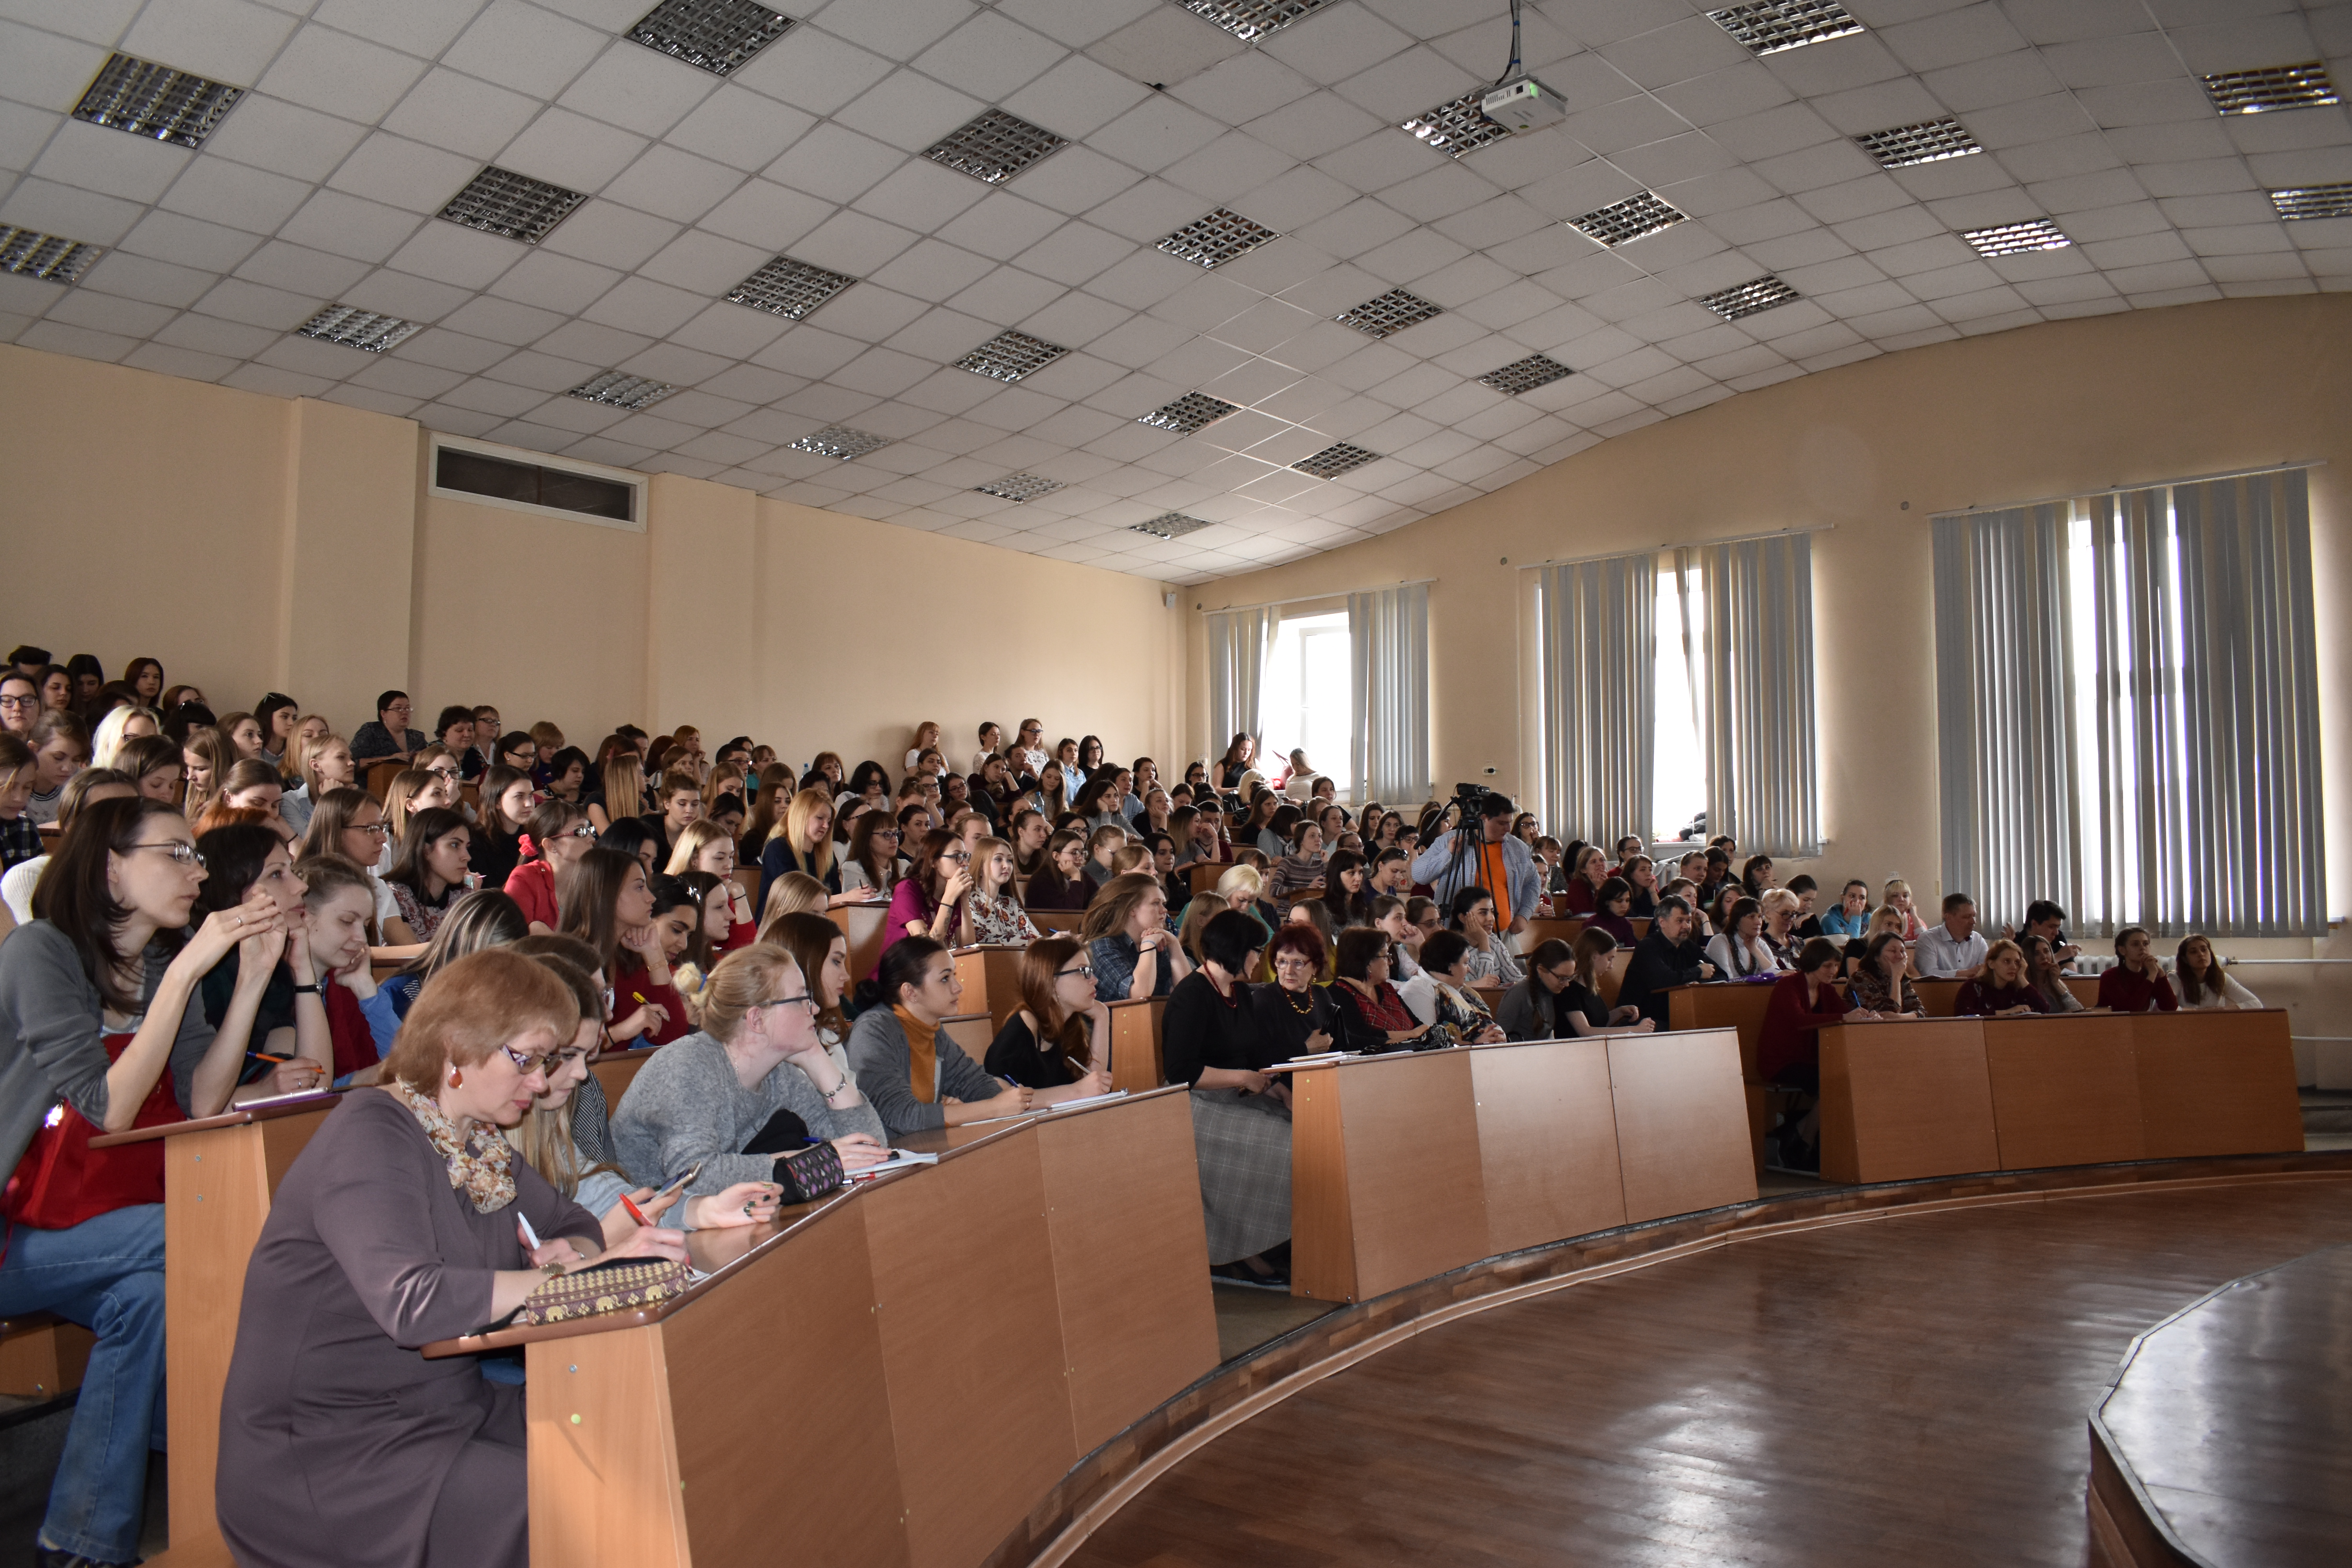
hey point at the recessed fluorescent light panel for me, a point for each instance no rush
(789, 288)
(357, 329)
(840, 441)
(1009, 356)
(2016, 238)
(1250, 20)
(46, 256)
(994, 147)
(1458, 127)
(1746, 299)
(1390, 314)
(1020, 487)
(1929, 142)
(716, 34)
(1525, 374)
(1335, 460)
(1194, 411)
(1643, 213)
(2304, 86)
(2314, 201)
(1169, 525)
(1213, 240)
(148, 100)
(513, 207)
(1772, 26)
(621, 390)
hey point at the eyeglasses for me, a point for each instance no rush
(32, 701)
(585, 830)
(444, 773)
(955, 856)
(885, 833)
(179, 849)
(1086, 969)
(525, 1065)
(803, 1000)
(382, 827)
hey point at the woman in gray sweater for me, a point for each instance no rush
(754, 1084)
(912, 1070)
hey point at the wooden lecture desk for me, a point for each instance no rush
(1411, 1164)
(219, 1175)
(1941, 1097)
(894, 1374)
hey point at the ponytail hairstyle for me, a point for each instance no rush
(549, 820)
(902, 964)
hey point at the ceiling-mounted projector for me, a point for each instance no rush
(1523, 104)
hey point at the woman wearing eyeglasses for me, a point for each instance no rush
(559, 833)
(1058, 1043)
(102, 1027)
(388, 738)
(398, 1226)
(754, 1083)
(930, 900)
(873, 860)
(1294, 1015)
(346, 822)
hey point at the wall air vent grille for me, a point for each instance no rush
(1457, 127)
(716, 34)
(148, 100)
(514, 207)
(1929, 142)
(1525, 374)
(1010, 355)
(2304, 86)
(1746, 299)
(1335, 460)
(357, 329)
(1213, 240)
(789, 288)
(1020, 487)
(473, 473)
(1643, 213)
(1194, 411)
(1771, 26)
(840, 441)
(1169, 525)
(48, 257)
(995, 147)
(2016, 238)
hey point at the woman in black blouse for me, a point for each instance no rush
(1294, 1014)
(1059, 1042)
(1210, 1042)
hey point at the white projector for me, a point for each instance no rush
(1523, 104)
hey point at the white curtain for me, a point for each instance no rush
(1388, 688)
(1599, 729)
(1239, 642)
(1757, 715)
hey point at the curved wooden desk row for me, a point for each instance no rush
(1945, 1095)
(1409, 1165)
(893, 1375)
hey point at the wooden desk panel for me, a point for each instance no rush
(1135, 1025)
(1204, 875)
(603, 1479)
(2086, 988)
(1322, 1224)
(1057, 922)
(1407, 1154)
(863, 925)
(1935, 997)
(1906, 1100)
(1682, 1123)
(2064, 1093)
(992, 983)
(971, 1031)
(618, 1071)
(1723, 1004)
(808, 1311)
(1547, 1141)
(1131, 1259)
(2216, 1083)
(971, 1335)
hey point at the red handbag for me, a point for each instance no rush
(62, 1180)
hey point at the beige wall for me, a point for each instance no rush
(252, 542)
(1872, 449)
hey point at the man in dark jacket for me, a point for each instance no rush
(1662, 959)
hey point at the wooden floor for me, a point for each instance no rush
(1909, 1391)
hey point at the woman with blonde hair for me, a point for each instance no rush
(1133, 952)
(769, 802)
(704, 846)
(208, 759)
(124, 724)
(316, 764)
(991, 913)
(803, 841)
(623, 778)
(794, 893)
(1204, 908)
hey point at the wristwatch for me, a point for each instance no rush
(316, 988)
(552, 1270)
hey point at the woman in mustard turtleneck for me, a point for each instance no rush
(915, 1075)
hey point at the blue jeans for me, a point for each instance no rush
(106, 1274)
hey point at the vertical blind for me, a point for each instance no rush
(1388, 664)
(2127, 709)
(1600, 722)
(1756, 715)
(1239, 641)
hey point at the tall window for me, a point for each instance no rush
(1304, 703)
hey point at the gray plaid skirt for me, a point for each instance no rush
(1243, 1142)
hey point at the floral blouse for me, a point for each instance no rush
(1870, 991)
(994, 919)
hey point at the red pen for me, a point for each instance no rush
(635, 1213)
